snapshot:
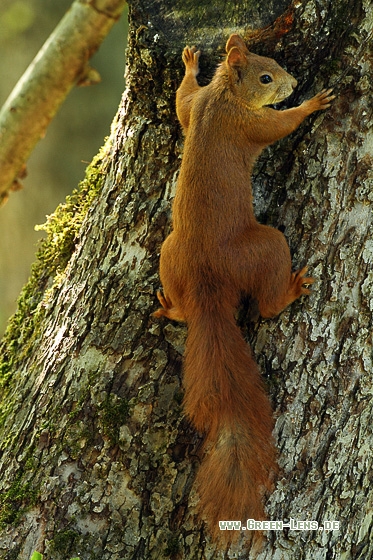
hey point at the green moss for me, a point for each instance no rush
(62, 229)
(64, 540)
(64, 224)
(114, 412)
(67, 542)
(16, 501)
(80, 403)
(77, 437)
(30, 464)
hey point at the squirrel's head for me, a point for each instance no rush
(258, 80)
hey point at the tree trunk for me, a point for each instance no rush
(96, 458)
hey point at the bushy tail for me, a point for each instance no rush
(225, 399)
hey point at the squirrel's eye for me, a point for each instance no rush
(266, 79)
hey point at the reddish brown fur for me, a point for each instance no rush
(217, 252)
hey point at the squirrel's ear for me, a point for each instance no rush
(235, 57)
(236, 41)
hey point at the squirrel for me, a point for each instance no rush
(216, 253)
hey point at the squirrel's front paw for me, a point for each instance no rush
(190, 59)
(321, 100)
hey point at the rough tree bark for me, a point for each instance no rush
(97, 459)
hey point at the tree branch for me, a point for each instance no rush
(60, 64)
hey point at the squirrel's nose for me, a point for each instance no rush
(294, 83)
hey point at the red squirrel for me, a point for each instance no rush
(216, 253)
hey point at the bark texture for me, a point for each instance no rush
(96, 458)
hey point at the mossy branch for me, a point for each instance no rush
(60, 64)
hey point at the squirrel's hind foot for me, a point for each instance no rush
(299, 281)
(167, 309)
